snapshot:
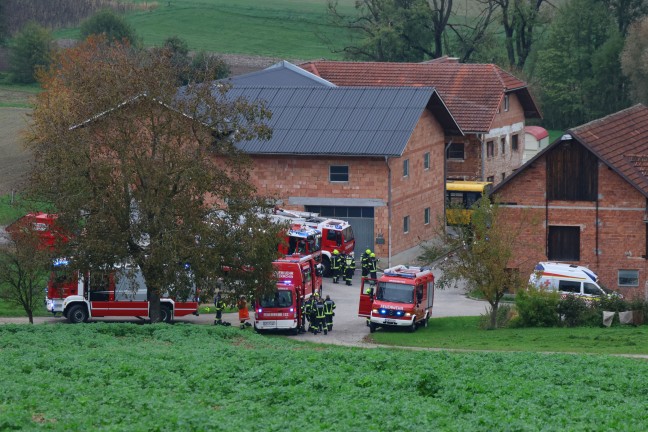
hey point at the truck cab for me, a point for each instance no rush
(298, 278)
(402, 297)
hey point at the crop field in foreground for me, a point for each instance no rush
(119, 377)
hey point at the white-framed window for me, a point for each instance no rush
(339, 173)
(426, 216)
(506, 103)
(503, 145)
(629, 278)
(406, 168)
(406, 223)
(426, 161)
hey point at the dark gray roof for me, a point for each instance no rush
(280, 74)
(354, 121)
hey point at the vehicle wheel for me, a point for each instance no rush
(327, 266)
(412, 328)
(372, 327)
(77, 314)
(166, 314)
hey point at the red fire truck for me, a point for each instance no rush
(43, 225)
(401, 297)
(298, 277)
(120, 292)
(302, 240)
(336, 233)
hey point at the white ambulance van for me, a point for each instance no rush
(567, 279)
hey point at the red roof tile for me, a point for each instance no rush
(621, 141)
(472, 92)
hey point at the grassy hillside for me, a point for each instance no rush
(276, 28)
(184, 377)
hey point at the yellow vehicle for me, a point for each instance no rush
(460, 197)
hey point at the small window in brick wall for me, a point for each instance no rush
(426, 161)
(629, 278)
(514, 142)
(406, 168)
(456, 151)
(406, 222)
(339, 173)
(503, 145)
(426, 216)
(490, 149)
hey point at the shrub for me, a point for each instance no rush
(571, 310)
(504, 315)
(536, 308)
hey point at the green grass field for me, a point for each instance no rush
(291, 29)
(115, 377)
(463, 333)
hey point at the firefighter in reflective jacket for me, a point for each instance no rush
(308, 313)
(320, 316)
(373, 266)
(329, 307)
(219, 305)
(337, 263)
(364, 262)
(349, 268)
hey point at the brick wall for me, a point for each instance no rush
(619, 235)
(300, 176)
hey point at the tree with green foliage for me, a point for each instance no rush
(149, 174)
(29, 50)
(626, 12)
(634, 61)
(24, 267)
(579, 68)
(4, 34)
(479, 253)
(203, 62)
(390, 30)
(113, 26)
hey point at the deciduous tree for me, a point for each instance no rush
(111, 25)
(148, 173)
(634, 61)
(29, 50)
(479, 254)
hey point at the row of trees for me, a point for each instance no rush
(571, 53)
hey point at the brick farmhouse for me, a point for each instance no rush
(373, 156)
(589, 190)
(490, 105)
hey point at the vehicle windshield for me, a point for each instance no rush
(281, 298)
(348, 234)
(315, 243)
(393, 292)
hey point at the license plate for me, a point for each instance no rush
(269, 323)
(388, 321)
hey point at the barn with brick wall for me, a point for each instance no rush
(589, 191)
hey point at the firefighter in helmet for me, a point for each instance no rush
(329, 307)
(373, 266)
(336, 265)
(349, 267)
(364, 262)
(320, 316)
(219, 305)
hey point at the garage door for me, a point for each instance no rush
(360, 218)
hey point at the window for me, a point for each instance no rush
(339, 173)
(503, 176)
(490, 179)
(406, 224)
(506, 103)
(591, 289)
(564, 243)
(456, 151)
(514, 142)
(569, 286)
(490, 149)
(406, 168)
(629, 278)
(426, 161)
(426, 216)
(503, 145)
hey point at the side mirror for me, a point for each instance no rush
(319, 269)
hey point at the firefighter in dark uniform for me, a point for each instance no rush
(219, 305)
(329, 307)
(373, 266)
(364, 262)
(337, 264)
(349, 268)
(308, 312)
(320, 316)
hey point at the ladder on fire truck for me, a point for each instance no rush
(410, 272)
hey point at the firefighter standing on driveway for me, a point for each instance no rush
(329, 307)
(308, 312)
(320, 316)
(364, 262)
(337, 264)
(219, 304)
(349, 268)
(373, 266)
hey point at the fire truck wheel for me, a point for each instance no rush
(165, 314)
(77, 314)
(412, 328)
(372, 327)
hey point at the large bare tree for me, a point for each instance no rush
(147, 173)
